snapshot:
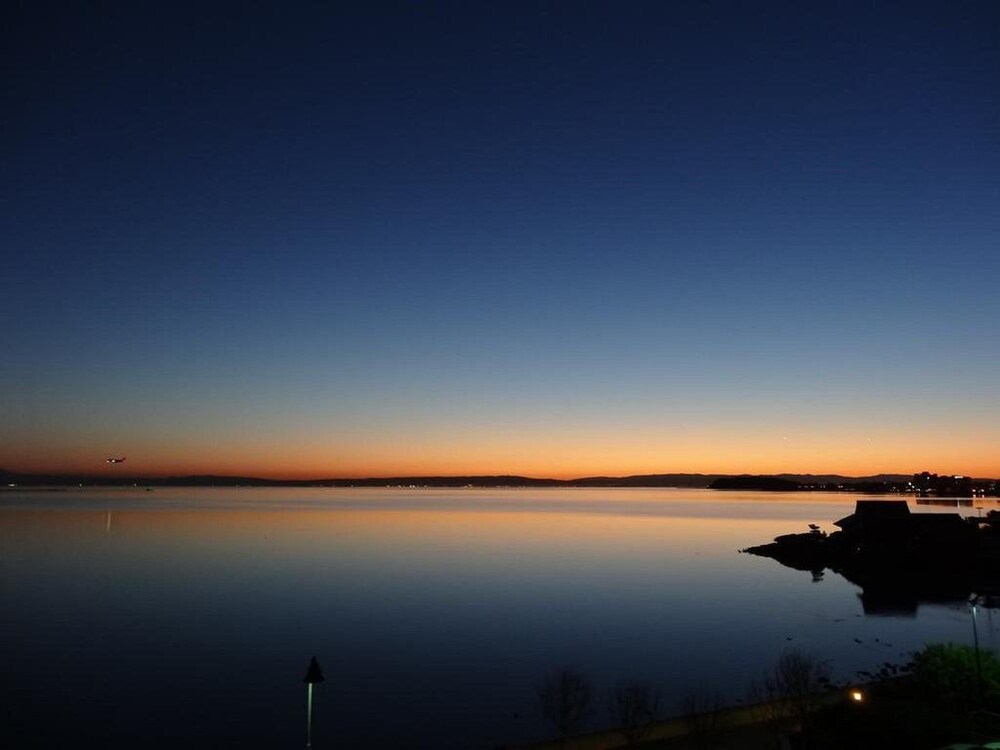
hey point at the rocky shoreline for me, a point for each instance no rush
(898, 558)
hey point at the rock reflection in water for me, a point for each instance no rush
(899, 559)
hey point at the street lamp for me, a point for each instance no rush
(313, 675)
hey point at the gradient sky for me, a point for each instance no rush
(553, 239)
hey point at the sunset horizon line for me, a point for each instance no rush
(125, 476)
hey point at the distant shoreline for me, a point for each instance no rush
(785, 482)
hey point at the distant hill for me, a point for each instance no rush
(752, 482)
(840, 479)
(214, 480)
(879, 482)
(646, 480)
(499, 480)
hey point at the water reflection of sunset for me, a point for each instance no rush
(416, 596)
(370, 534)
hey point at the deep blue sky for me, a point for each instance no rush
(585, 237)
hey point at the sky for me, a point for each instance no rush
(553, 238)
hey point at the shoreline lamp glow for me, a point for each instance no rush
(313, 675)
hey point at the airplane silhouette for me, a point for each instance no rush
(116, 460)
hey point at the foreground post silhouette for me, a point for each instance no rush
(973, 601)
(313, 675)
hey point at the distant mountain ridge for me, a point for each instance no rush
(498, 480)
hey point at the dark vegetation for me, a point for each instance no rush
(634, 707)
(566, 697)
(947, 694)
(791, 694)
(939, 698)
(704, 718)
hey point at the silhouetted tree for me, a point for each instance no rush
(953, 676)
(789, 695)
(634, 707)
(566, 696)
(703, 717)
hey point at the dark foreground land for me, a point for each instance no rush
(947, 698)
(890, 719)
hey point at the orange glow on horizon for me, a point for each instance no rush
(556, 454)
(303, 471)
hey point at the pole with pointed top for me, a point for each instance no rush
(974, 600)
(313, 675)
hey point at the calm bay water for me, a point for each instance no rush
(189, 615)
